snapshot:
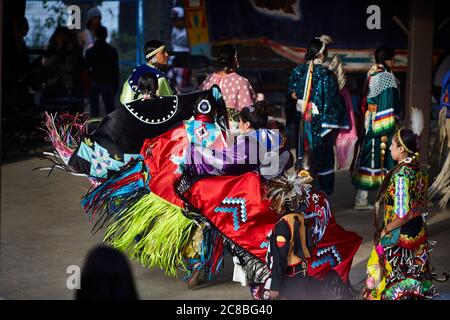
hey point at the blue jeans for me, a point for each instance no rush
(107, 93)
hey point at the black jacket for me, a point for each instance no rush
(103, 63)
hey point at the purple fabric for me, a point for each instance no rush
(250, 152)
(233, 160)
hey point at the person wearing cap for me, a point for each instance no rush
(180, 42)
(157, 57)
(87, 37)
(320, 111)
(180, 46)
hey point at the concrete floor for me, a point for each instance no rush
(44, 230)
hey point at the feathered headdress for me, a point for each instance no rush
(289, 190)
(325, 39)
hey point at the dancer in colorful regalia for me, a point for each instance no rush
(156, 58)
(242, 205)
(95, 149)
(142, 212)
(440, 155)
(321, 110)
(256, 150)
(309, 254)
(138, 205)
(345, 138)
(237, 90)
(169, 239)
(399, 266)
(381, 100)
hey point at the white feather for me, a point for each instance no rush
(416, 121)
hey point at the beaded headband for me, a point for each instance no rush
(151, 54)
(402, 143)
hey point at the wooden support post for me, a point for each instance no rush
(1, 73)
(419, 82)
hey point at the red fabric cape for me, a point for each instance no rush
(236, 207)
(157, 154)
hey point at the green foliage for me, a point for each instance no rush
(58, 17)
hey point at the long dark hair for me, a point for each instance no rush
(106, 275)
(258, 114)
(313, 50)
(384, 53)
(227, 56)
(411, 141)
(148, 84)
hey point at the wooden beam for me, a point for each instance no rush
(419, 75)
(1, 74)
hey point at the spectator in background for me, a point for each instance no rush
(86, 40)
(181, 76)
(103, 66)
(106, 275)
(58, 64)
(58, 71)
(23, 50)
(87, 37)
(180, 41)
(23, 67)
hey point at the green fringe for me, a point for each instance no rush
(164, 230)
